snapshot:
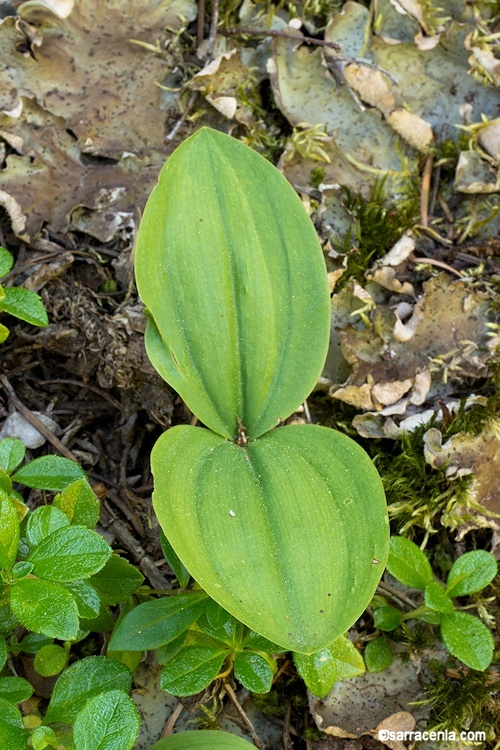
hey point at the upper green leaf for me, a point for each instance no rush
(12, 452)
(230, 268)
(338, 661)
(408, 563)
(45, 607)
(192, 670)
(15, 689)
(116, 580)
(109, 721)
(468, 639)
(79, 503)
(83, 680)
(49, 473)
(157, 622)
(471, 572)
(378, 654)
(436, 598)
(283, 534)
(6, 261)
(42, 522)
(254, 671)
(25, 305)
(9, 531)
(70, 553)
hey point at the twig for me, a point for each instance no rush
(182, 118)
(280, 671)
(200, 23)
(93, 388)
(424, 193)
(255, 737)
(232, 31)
(169, 726)
(437, 263)
(213, 30)
(287, 742)
(388, 589)
(35, 421)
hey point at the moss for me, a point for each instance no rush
(377, 225)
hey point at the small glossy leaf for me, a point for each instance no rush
(180, 572)
(21, 569)
(12, 737)
(117, 580)
(43, 737)
(6, 262)
(169, 650)
(83, 680)
(49, 473)
(436, 598)
(203, 739)
(3, 653)
(159, 621)
(471, 572)
(10, 714)
(5, 482)
(69, 554)
(387, 618)
(4, 331)
(86, 598)
(32, 643)
(79, 503)
(45, 607)
(9, 532)
(109, 721)
(432, 617)
(378, 654)
(42, 522)
(192, 670)
(254, 671)
(256, 642)
(408, 563)
(12, 452)
(468, 639)
(254, 526)
(103, 623)
(229, 632)
(340, 660)
(15, 689)
(50, 660)
(8, 621)
(262, 270)
(25, 305)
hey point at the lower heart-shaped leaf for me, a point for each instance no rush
(288, 533)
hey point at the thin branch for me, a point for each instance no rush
(200, 22)
(213, 30)
(35, 421)
(169, 726)
(182, 118)
(424, 193)
(234, 31)
(255, 737)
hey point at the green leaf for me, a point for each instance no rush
(6, 261)
(254, 671)
(387, 618)
(3, 653)
(262, 271)
(10, 714)
(12, 737)
(103, 623)
(180, 572)
(42, 522)
(436, 598)
(79, 503)
(471, 572)
(204, 739)
(169, 650)
(339, 661)
(157, 622)
(50, 660)
(15, 689)
(82, 681)
(69, 554)
(117, 580)
(49, 473)
(4, 331)
(86, 598)
(32, 643)
(254, 525)
(8, 621)
(378, 654)
(256, 642)
(431, 616)
(109, 721)
(468, 639)
(9, 532)
(45, 607)
(21, 569)
(230, 631)
(192, 670)
(25, 305)
(408, 563)
(12, 452)
(43, 737)
(5, 482)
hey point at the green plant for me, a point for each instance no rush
(464, 635)
(21, 303)
(279, 526)
(58, 578)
